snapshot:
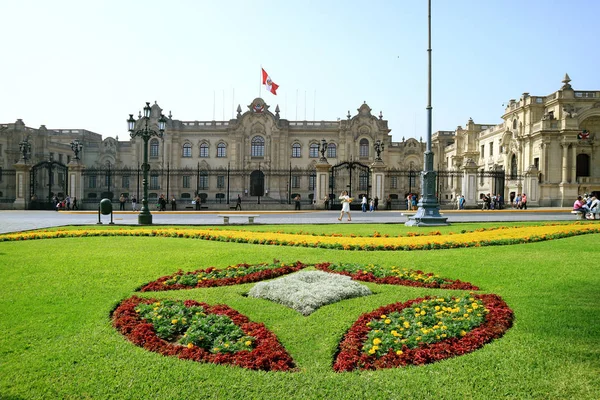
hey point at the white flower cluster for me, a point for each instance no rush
(306, 291)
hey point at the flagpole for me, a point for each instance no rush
(260, 82)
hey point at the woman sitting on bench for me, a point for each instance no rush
(580, 206)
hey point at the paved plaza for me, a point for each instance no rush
(15, 221)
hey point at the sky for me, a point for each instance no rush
(88, 65)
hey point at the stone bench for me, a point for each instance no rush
(580, 214)
(227, 216)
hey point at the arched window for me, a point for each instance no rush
(258, 146)
(221, 150)
(296, 150)
(204, 150)
(154, 148)
(331, 150)
(513, 167)
(313, 151)
(187, 150)
(364, 148)
(514, 124)
(583, 165)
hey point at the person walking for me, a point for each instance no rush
(363, 203)
(238, 203)
(198, 201)
(173, 204)
(121, 202)
(68, 201)
(133, 203)
(297, 202)
(75, 206)
(346, 200)
(326, 202)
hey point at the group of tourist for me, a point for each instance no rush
(373, 203)
(492, 201)
(64, 204)
(588, 205)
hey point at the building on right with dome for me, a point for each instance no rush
(545, 148)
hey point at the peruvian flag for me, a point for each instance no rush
(269, 84)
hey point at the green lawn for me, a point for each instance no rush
(57, 340)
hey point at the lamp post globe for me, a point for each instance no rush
(144, 129)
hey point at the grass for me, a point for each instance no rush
(57, 340)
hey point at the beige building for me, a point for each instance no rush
(544, 148)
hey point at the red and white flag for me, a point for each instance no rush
(269, 84)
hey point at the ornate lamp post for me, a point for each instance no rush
(25, 148)
(76, 147)
(145, 131)
(379, 146)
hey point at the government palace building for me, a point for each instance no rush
(545, 147)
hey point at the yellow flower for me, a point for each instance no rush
(190, 345)
(372, 351)
(383, 316)
(174, 321)
(463, 333)
(376, 341)
(399, 352)
(423, 312)
(394, 333)
(247, 342)
(406, 324)
(387, 321)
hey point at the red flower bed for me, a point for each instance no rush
(159, 284)
(267, 355)
(393, 280)
(350, 355)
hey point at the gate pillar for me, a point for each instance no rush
(75, 180)
(322, 187)
(22, 185)
(469, 183)
(378, 179)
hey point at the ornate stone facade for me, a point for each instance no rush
(546, 147)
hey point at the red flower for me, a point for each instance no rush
(267, 355)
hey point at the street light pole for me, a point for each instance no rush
(145, 131)
(428, 213)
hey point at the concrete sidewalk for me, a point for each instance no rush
(16, 221)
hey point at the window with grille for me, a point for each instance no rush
(312, 182)
(203, 150)
(313, 151)
(186, 181)
(187, 150)
(154, 182)
(203, 184)
(331, 150)
(394, 182)
(363, 148)
(295, 181)
(258, 146)
(296, 150)
(154, 148)
(221, 181)
(363, 181)
(92, 182)
(491, 149)
(221, 150)
(125, 182)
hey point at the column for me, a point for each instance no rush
(75, 176)
(378, 180)
(573, 163)
(22, 185)
(469, 183)
(565, 171)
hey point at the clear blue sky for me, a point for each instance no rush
(84, 64)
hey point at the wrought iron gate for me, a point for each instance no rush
(353, 176)
(47, 179)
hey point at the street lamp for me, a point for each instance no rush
(76, 147)
(25, 148)
(145, 131)
(379, 146)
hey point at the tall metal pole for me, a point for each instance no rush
(428, 213)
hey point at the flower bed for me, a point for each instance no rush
(232, 275)
(307, 291)
(264, 352)
(394, 276)
(369, 332)
(489, 237)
